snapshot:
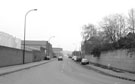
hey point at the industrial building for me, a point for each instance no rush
(43, 46)
(57, 51)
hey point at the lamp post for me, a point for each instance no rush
(48, 48)
(25, 32)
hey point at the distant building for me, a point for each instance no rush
(43, 46)
(9, 41)
(57, 51)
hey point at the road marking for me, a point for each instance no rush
(117, 83)
(68, 62)
(62, 67)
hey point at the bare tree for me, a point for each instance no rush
(121, 25)
(89, 31)
(114, 27)
(131, 20)
(109, 28)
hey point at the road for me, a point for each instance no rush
(59, 72)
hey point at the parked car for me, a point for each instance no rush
(54, 56)
(69, 56)
(74, 58)
(84, 61)
(60, 58)
(47, 58)
(79, 58)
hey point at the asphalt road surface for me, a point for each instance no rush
(60, 72)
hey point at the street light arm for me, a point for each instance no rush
(50, 38)
(30, 11)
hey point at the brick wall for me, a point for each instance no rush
(122, 59)
(12, 56)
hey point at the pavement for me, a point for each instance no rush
(112, 73)
(15, 68)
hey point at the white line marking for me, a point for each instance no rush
(62, 67)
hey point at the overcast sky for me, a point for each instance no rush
(60, 18)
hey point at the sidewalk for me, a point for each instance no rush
(15, 68)
(121, 75)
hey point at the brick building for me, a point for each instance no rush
(43, 46)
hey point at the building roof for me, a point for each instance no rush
(31, 48)
(57, 49)
(43, 43)
(34, 45)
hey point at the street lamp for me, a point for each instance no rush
(25, 32)
(48, 49)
